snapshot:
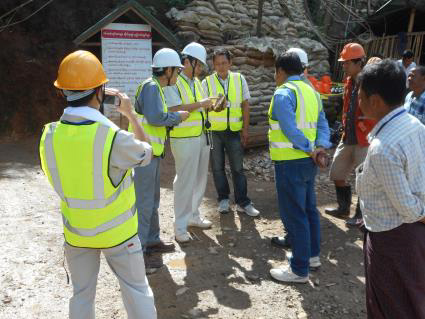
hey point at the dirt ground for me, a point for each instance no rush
(223, 273)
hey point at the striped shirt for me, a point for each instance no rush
(416, 106)
(391, 181)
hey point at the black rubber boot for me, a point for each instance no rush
(343, 198)
(357, 219)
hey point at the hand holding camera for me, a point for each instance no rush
(122, 102)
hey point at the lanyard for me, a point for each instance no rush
(389, 120)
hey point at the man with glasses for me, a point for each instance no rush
(189, 143)
(154, 116)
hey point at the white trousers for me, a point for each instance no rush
(191, 156)
(126, 261)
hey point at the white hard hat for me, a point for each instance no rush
(301, 54)
(196, 51)
(166, 58)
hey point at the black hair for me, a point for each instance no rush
(290, 63)
(84, 101)
(222, 51)
(420, 69)
(408, 54)
(386, 79)
(158, 71)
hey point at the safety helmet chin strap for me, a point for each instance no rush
(193, 63)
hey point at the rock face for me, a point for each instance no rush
(232, 24)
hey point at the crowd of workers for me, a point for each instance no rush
(89, 162)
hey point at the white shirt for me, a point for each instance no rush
(391, 181)
(172, 95)
(225, 84)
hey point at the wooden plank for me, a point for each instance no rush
(121, 10)
(91, 44)
(411, 20)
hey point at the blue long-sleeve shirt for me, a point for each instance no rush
(149, 104)
(284, 108)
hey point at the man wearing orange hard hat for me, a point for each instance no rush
(352, 149)
(88, 161)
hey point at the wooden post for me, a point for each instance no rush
(411, 20)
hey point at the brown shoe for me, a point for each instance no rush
(152, 261)
(160, 247)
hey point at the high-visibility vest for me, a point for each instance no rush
(193, 125)
(157, 134)
(231, 117)
(95, 212)
(306, 117)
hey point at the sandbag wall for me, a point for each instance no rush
(232, 24)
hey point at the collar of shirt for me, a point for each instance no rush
(184, 76)
(223, 80)
(420, 96)
(382, 122)
(293, 78)
(91, 114)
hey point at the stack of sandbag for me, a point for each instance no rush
(232, 24)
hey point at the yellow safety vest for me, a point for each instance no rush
(95, 213)
(157, 134)
(232, 115)
(193, 125)
(306, 116)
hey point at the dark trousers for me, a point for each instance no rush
(297, 208)
(395, 272)
(229, 142)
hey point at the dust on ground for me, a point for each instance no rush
(223, 273)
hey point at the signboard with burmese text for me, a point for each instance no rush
(126, 58)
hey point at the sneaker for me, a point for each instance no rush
(223, 206)
(200, 223)
(285, 274)
(183, 238)
(313, 261)
(249, 210)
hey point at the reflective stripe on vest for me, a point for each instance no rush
(307, 113)
(156, 134)
(120, 219)
(231, 117)
(193, 125)
(95, 213)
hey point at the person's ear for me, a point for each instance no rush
(377, 103)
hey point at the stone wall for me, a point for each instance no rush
(232, 24)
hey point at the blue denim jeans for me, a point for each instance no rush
(229, 142)
(297, 208)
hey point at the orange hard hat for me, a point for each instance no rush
(351, 51)
(80, 70)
